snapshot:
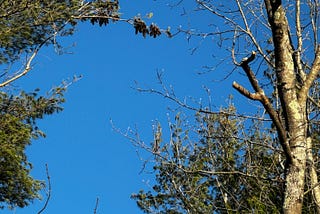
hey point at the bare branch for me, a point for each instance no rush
(314, 14)
(48, 192)
(80, 17)
(192, 108)
(27, 67)
(252, 37)
(297, 54)
(313, 175)
(135, 139)
(315, 69)
(245, 92)
(252, 78)
(206, 173)
(24, 72)
(230, 20)
(265, 101)
(96, 206)
(298, 30)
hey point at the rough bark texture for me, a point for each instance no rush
(295, 122)
(313, 175)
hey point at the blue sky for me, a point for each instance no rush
(86, 158)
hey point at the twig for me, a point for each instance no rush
(96, 206)
(200, 110)
(48, 192)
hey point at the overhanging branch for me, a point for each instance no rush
(24, 72)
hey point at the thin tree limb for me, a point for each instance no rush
(313, 175)
(24, 72)
(48, 192)
(311, 77)
(252, 37)
(96, 206)
(297, 54)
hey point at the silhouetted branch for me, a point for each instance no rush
(96, 206)
(48, 192)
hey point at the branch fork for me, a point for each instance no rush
(259, 95)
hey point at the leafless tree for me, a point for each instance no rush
(276, 45)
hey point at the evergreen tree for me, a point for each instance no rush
(25, 27)
(18, 116)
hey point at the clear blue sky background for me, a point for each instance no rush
(86, 158)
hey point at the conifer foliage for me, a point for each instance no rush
(18, 115)
(25, 27)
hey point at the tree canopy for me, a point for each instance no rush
(18, 115)
(224, 161)
(26, 27)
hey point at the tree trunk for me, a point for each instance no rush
(294, 112)
(295, 175)
(315, 187)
